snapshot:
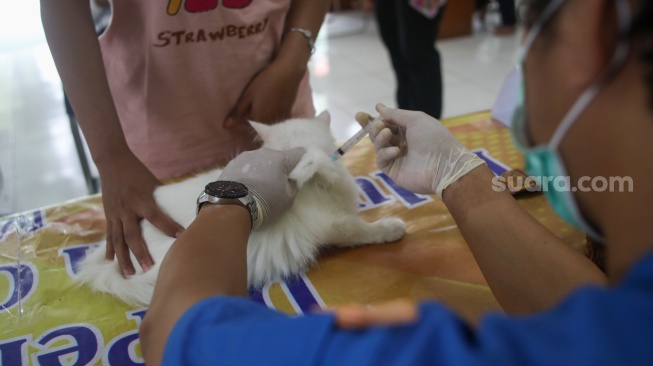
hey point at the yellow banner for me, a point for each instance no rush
(46, 319)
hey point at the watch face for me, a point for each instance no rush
(226, 189)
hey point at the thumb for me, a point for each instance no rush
(292, 158)
(240, 111)
(163, 222)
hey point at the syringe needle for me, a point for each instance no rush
(353, 140)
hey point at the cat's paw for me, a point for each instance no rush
(391, 229)
(313, 163)
(304, 171)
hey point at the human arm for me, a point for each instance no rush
(236, 331)
(270, 96)
(210, 257)
(527, 267)
(127, 185)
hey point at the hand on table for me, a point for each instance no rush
(270, 96)
(127, 195)
(418, 152)
(265, 173)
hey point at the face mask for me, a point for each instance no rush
(544, 161)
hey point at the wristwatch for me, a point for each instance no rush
(230, 193)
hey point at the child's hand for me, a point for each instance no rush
(127, 195)
(270, 96)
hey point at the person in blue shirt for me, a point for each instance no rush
(585, 114)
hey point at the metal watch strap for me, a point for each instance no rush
(248, 201)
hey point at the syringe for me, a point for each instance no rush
(354, 140)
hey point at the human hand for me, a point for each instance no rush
(127, 195)
(270, 96)
(398, 312)
(265, 173)
(418, 152)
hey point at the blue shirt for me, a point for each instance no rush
(593, 326)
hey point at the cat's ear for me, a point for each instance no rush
(263, 130)
(325, 118)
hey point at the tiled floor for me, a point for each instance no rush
(350, 72)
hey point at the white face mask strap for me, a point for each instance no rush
(537, 27)
(618, 59)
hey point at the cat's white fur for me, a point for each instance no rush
(325, 212)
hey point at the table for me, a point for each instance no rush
(46, 317)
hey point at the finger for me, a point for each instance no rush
(292, 158)
(398, 117)
(122, 251)
(240, 112)
(136, 244)
(110, 253)
(392, 313)
(379, 126)
(382, 140)
(162, 221)
(376, 128)
(396, 132)
(386, 157)
(364, 119)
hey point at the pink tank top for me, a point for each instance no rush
(176, 70)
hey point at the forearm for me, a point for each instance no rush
(71, 36)
(305, 14)
(527, 267)
(208, 259)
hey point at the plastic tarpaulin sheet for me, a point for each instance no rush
(47, 319)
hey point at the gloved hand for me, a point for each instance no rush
(265, 173)
(418, 152)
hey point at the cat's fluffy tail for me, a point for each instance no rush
(104, 276)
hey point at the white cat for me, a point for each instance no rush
(325, 212)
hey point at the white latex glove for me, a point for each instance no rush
(418, 152)
(265, 173)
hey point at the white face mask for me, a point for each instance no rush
(544, 161)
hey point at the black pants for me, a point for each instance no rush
(507, 9)
(410, 39)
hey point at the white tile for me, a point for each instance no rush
(483, 48)
(343, 124)
(49, 189)
(7, 163)
(325, 68)
(368, 105)
(374, 62)
(463, 99)
(33, 161)
(347, 23)
(7, 199)
(7, 177)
